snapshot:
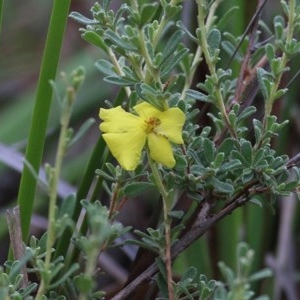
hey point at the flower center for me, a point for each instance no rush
(151, 123)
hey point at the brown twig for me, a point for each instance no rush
(168, 261)
(252, 28)
(294, 161)
(16, 240)
(253, 21)
(201, 226)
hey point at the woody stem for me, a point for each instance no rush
(167, 223)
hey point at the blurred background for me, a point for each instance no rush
(274, 237)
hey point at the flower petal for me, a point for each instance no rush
(126, 147)
(117, 120)
(161, 150)
(172, 121)
(146, 110)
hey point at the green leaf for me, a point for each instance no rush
(232, 118)
(280, 93)
(256, 200)
(189, 274)
(94, 39)
(147, 93)
(270, 52)
(262, 274)
(226, 16)
(72, 269)
(182, 26)
(115, 39)
(213, 41)
(209, 150)
(67, 206)
(122, 81)
(227, 273)
(147, 13)
(258, 129)
(231, 165)
(246, 113)
(218, 159)
(105, 67)
(84, 283)
(171, 62)
(81, 132)
(230, 50)
(226, 146)
(222, 187)
(263, 83)
(105, 4)
(176, 214)
(137, 188)
(247, 175)
(82, 19)
(246, 150)
(197, 95)
(279, 25)
(171, 10)
(172, 44)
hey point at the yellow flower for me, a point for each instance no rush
(126, 134)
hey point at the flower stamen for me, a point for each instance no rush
(151, 124)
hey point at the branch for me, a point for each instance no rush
(201, 226)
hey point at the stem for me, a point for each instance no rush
(211, 14)
(211, 65)
(15, 235)
(190, 76)
(197, 57)
(89, 271)
(119, 70)
(200, 228)
(162, 25)
(284, 59)
(100, 151)
(149, 69)
(114, 200)
(167, 224)
(54, 179)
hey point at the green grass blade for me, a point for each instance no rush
(1, 13)
(37, 133)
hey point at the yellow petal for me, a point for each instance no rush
(161, 150)
(172, 121)
(126, 147)
(146, 110)
(117, 120)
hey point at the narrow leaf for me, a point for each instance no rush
(222, 187)
(147, 12)
(114, 38)
(123, 81)
(171, 63)
(94, 39)
(105, 67)
(137, 188)
(197, 95)
(82, 19)
(172, 44)
(81, 132)
(213, 41)
(261, 82)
